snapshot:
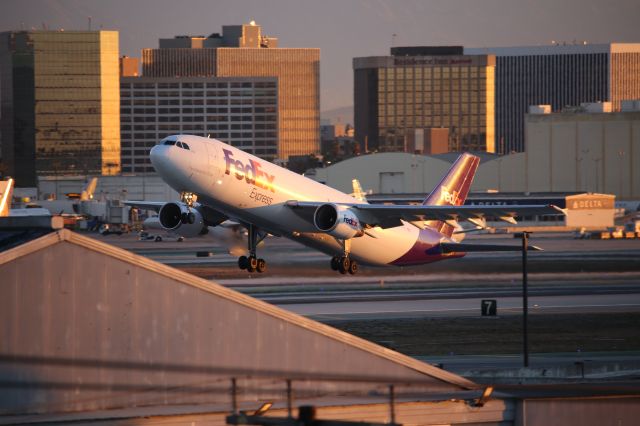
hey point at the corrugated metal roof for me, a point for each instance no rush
(86, 305)
(232, 295)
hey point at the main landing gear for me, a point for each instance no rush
(344, 263)
(252, 263)
(189, 198)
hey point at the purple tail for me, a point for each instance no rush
(453, 189)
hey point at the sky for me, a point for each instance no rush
(342, 29)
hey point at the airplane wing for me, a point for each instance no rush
(388, 216)
(469, 247)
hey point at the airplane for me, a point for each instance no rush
(218, 182)
(6, 192)
(358, 193)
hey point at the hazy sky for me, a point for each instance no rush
(342, 29)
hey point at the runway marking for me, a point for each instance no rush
(468, 309)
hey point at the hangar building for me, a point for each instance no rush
(90, 333)
(576, 151)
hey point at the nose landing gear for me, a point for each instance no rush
(252, 263)
(189, 198)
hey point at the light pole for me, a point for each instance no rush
(525, 301)
(621, 156)
(597, 161)
(580, 173)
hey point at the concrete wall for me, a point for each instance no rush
(584, 412)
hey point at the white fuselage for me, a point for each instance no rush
(251, 190)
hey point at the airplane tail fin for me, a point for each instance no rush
(358, 193)
(453, 189)
(6, 191)
(89, 189)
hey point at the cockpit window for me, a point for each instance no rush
(179, 144)
(186, 146)
(170, 142)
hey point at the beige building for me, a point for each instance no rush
(60, 103)
(579, 151)
(242, 51)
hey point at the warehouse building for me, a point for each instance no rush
(92, 333)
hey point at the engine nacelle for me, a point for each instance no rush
(174, 217)
(338, 221)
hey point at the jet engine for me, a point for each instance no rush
(176, 217)
(338, 221)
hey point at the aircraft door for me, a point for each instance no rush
(214, 160)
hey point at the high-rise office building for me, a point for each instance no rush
(559, 75)
(241, 111)
(242, 51)
(400, 100)
(60, 103)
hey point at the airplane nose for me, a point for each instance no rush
(159, 158)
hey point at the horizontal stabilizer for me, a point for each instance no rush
(467, 247)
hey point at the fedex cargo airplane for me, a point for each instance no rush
(218, 182)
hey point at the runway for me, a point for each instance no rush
(562, 253)
(570, 276)
(466, 307)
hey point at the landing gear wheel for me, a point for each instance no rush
(344, 264)
(253, 264)
(353, 267)
(335, 263)
(158, 238)
(261, 266)
(243, 262)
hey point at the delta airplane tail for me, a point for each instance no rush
(453, 190)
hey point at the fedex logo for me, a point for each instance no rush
(250, 172)
(351, 222)
(449, 197)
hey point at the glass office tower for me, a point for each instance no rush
(60, 103)
(401, 97)
(559, 75)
